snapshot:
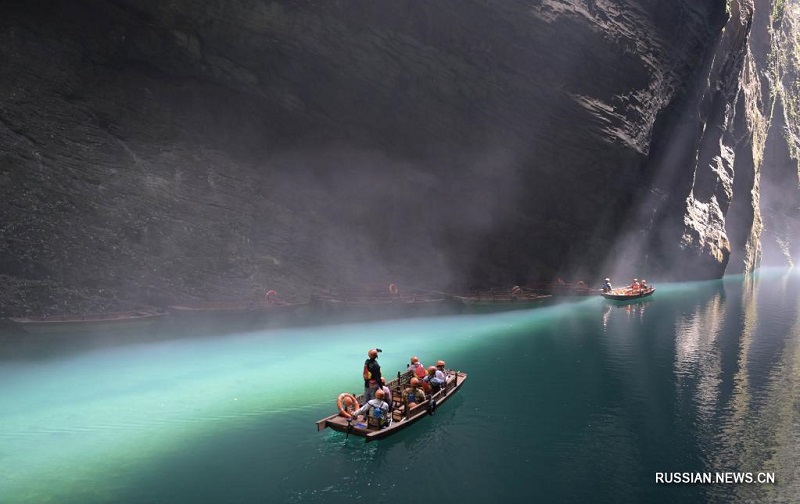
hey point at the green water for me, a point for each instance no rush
(580, 402)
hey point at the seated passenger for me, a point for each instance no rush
(436, 379)
(417, 367)
(643, 285)
(607, 285)
(413, 394)
(635, 285)
(376, 410)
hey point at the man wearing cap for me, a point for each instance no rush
(372, 375)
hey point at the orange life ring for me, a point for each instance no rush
(343, 410)
(271, 295)
(393, 288)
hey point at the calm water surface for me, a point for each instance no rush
(580, 402)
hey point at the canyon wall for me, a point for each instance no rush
(153, 152)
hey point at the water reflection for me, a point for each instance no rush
(744, 392)
(761, 428)
(633, 310)
(697, 356)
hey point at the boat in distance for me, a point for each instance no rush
(627, 294)
(498, 299)
(401, 416)
(87, 323)
(559, 288)
(233, 308)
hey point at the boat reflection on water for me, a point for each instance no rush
(633, 310)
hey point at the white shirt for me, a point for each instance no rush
(375, 403)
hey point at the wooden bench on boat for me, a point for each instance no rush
(402, 416)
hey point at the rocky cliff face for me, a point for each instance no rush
(730, 151)
(162, 151)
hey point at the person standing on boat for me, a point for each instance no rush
(372, 375)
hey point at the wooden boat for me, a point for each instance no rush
(216, 316)
(234, 308)
(628, 294)
(381, 302)
(499, 299)
(400, 417)
(87, 323)
(563, 289)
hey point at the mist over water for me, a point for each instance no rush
(577, 402)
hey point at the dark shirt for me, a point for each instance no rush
(374, 368)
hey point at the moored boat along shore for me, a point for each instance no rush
(499, 299)
(87, 323)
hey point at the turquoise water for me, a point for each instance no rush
(579, 402)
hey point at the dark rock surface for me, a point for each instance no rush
(161, 151)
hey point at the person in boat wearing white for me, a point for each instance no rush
(376, 410)
(643, 285)
(436, 377)
(607, 285)
(413, 394)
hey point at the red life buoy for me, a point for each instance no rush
(393, 288)
(340, 403)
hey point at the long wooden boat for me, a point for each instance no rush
(502, 299)
(227, 316)
(563, 289)
(400, 417)
(87, 323)
(381, 303)
(627, 294)
(234, 308)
